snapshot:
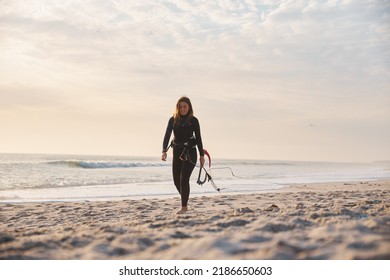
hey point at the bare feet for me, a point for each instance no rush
(183, 210)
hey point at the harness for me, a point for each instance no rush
(185, 156)
(186, 146)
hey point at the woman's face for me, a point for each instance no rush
(183, 108)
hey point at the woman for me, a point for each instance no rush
(187, 136)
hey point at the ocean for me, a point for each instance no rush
(44, 178)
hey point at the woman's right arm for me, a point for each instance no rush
(167, 136)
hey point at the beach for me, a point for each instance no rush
(335, 221)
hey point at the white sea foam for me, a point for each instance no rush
(103, 164)
(61, 177)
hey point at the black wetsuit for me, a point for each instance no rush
(182, 169)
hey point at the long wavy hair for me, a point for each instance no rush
(177, 116)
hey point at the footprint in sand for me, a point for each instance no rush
(234, 223)
(107, 249)
(243, 210)
(79, 242)
(141, 243)
(256, 239)
(362, 245)
(275, 228)
(5, 238)
(230, 248)
(180, 235)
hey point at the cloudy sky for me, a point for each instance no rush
(284, 80)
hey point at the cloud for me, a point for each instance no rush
(218, 35)
(273, 63)
(272, 39)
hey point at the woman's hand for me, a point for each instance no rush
(164, 156)
(201, 161)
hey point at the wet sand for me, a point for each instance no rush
(318, 221)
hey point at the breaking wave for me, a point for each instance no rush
(104, 164)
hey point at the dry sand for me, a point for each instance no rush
(320, 221)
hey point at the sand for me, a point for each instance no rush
(320, 221)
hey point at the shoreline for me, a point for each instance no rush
(345, 185)
(343, 220)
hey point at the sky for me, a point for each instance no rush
(268, 80)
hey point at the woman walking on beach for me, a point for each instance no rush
(186, 130)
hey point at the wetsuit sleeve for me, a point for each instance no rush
(198, 136)
(168, 133)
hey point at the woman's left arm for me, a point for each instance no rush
(199, 143)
